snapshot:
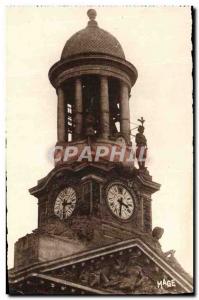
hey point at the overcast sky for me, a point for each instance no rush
(158, 42)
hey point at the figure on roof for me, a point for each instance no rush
(141, 143)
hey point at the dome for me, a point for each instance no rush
(92, 39)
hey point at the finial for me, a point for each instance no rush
(91, 13)
(141, 120)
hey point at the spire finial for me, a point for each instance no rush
(91, 13)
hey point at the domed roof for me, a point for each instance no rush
(92, 39)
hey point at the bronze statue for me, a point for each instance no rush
(141, 143)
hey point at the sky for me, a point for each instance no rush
(157, 40)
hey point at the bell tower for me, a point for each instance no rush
(93, 78)
(93, 83)
(95, 203)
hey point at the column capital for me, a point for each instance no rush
(123, 83)
(105, 77)
(58, 89)
(78, 79)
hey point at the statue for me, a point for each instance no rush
(157, 233)
(141, 143)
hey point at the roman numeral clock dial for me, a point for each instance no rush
(65, 203)
(120, 201)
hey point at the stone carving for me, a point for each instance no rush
(80, 228)
(157, 233)
(120, 273)
(85, 233)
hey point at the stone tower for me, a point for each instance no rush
(94, 232)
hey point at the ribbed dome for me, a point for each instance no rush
(92, 39)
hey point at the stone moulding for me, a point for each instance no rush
(93, 64)
(46, 268)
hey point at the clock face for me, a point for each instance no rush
(120, 201)
(65, 203)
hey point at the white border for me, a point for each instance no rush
(101, 2)
(3, 98)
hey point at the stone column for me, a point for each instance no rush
(61, 120)
(78, 109)
(104, 108)
(124, 112)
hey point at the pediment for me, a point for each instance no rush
(129, 267)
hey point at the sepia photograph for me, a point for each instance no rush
(99, 150)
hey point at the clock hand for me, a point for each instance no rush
(120, 212)
(125, 204)
(120, 203)
(120, 200)
(65, 203)
(127, 207)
